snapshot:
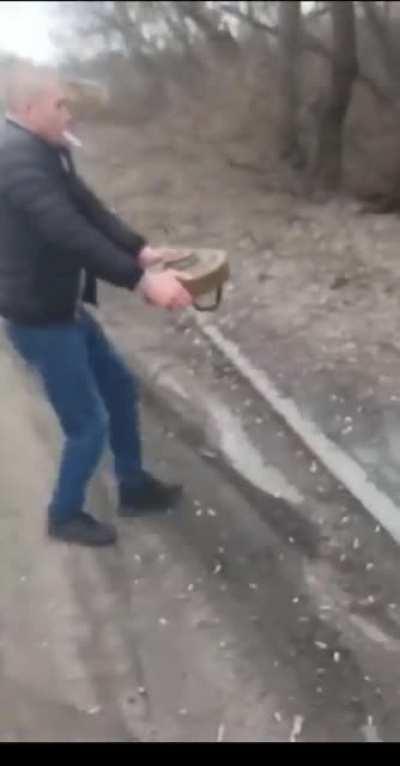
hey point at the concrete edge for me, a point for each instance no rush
(182, 395)
(337, 462)
(172, 388)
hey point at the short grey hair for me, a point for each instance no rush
(25, 82)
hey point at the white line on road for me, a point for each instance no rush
(346, 470)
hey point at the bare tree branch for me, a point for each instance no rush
(316, 13)
(252, 20)
(313, 44)
(195, 11)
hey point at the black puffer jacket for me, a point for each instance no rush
(52, 227)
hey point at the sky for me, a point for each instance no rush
(24, 30)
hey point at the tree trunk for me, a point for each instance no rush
(387, 9)
(379, 23)
(290, 48)
(125, 27)
(327, 171)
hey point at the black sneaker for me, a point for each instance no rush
(84, 530)
(153, 495)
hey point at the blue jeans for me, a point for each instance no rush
(94, 396)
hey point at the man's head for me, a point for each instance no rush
(36, 98)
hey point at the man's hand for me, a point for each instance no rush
(150, 256)
(165, 290)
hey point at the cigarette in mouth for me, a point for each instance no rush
(72, 139)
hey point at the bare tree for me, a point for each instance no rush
(145, 27)
(159, 46)
(378, 18)
(327, 166)
(289, 60)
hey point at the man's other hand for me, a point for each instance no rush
(165, 290)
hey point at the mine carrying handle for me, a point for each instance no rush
(188, 261)
(213, 306)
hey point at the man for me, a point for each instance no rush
(56, 238)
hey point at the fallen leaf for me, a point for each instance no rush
(298, 723)
(94, 710)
